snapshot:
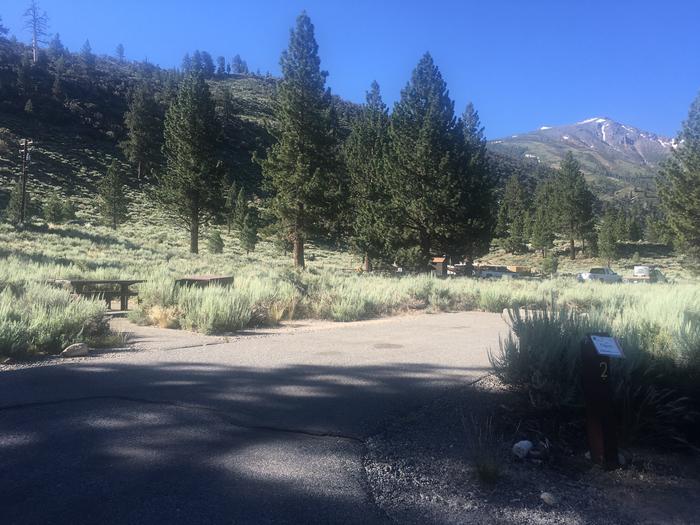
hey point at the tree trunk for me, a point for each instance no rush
(298, 251)
(573, 249)
(368, 263)
(194, 231)
(138, 171)
(425, 250)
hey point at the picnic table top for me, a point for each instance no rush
(101, 281)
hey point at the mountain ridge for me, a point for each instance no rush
(615, 156)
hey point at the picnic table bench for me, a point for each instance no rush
(203, 281)
(107, 289)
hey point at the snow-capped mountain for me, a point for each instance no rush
(603, 146)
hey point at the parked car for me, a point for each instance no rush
(605, 275)
(646, 274)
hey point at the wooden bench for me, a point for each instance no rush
(202, 281)
(107, 289)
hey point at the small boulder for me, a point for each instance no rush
(522, 448)
(76, 350)
(8, 361)
(549, 498)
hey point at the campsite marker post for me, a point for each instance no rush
(596, 352)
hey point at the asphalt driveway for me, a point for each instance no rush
(261, 428)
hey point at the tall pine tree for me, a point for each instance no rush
(365, 153)
(573, 203)
(679, 184)
(144, 125)
(513, 215)
(473, 223)
(112, 196)
(190, 187)
(543, 219)
(302, 169)
(422, 159)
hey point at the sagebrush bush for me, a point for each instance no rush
(43, 319)
(654, 385)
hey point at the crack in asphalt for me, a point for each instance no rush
(218, 412)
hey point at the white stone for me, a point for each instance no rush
(76, 350)
(549, 498)
(522, 448)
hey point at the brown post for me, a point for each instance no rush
(600, 415)
(124, 297)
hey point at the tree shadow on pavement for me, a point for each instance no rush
(199, 443)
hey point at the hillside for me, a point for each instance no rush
(616, 157)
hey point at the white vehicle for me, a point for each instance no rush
(605, 275)
(647, 274)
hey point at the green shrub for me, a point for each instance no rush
(53, 210)
(215, 243)
(653, 385)
(44, 319)
(550, 265)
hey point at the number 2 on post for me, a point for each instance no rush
(604, 370)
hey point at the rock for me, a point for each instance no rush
(8, 361)
(522, 448)
(549, 498)
(76, 350)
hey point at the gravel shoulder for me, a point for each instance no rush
(422, 469)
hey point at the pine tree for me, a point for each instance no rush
(87, 59)
(215, 244)
(53, 209)
(249, 232)
(208, 67)
(120, 53)
(574, 202)
(365, 152)
(543, 222)
(512, 216)
(607, 238)
(37, 23)
(13, 211)
(25, 86)
(144, 124)
(302, 169)
(679, 184)
(472, 225)
(187, 64)
(112, 197)
(190, 186)
(239, 66)
(57, 86)
(3, 29)
(221, 66)
(56, 47)
(421, 158)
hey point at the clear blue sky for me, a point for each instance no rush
(524, 63)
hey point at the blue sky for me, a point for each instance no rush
(524, 63)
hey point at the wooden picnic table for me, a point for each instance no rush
(202, 281)
(101, 288)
